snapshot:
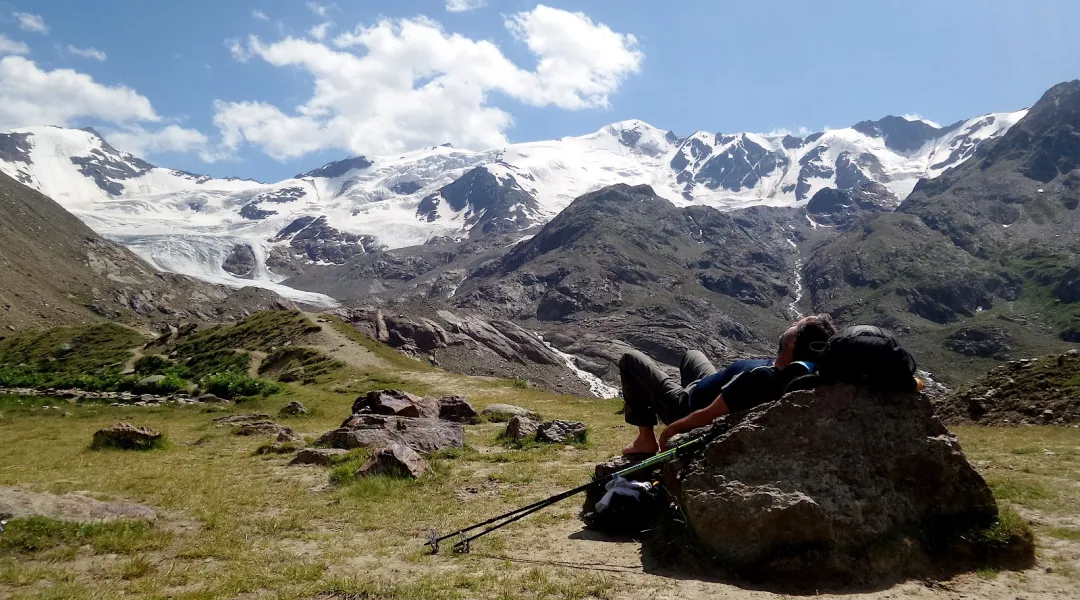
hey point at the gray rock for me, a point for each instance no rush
(423, 435)
(396, 460)
(457, 409)
(560, 431)
(293, 409)
(396, 403)
(322, 457)
(148, 384)
(520, 429)
(211, 399)
(501, 413)
(235, 420)
(280, 432)
(811, 484)
(126, 436)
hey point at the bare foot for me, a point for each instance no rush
(642, 446)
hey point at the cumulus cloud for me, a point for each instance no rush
(260, 15)
(403, 84)
(464, 5)
(30, 22)
(31, 96)
(91, 52)
(319, 31)
(9, 46)
(172, 138)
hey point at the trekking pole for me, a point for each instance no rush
(505, 519)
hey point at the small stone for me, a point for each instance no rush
(501, 413)
(293, 409)
(560, 431)
(520, 429)
(396, 460)
(322, 457)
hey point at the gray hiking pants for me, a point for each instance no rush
(650, 393)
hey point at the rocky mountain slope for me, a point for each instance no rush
(56, 270)
(981, 262)
(242, 232)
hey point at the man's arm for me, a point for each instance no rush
(698, 418)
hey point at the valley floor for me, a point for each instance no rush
(233, 524)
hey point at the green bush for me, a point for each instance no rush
(234, 385)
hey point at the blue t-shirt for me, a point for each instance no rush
(708, 388)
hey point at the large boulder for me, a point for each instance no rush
(125, 436)
(396, 403)
(835, 482)
(396, 460)
(561, 432)
(422, 435)
(458, 410)
(520, 429)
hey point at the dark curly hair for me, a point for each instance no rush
(810, 336)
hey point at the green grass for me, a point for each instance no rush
(384, 352)
(37, 534)
(1063, 533)
(71, 350)
(317, 366)
(232, 385)
(264, 331)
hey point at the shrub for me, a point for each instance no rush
(234, 385)
(152, 365)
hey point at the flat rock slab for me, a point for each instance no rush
(560, 432)
(125, 436)
(322, 457)
(279, 432)
(236, 420)
(422, 435)
(72, 507)
(501, 413)
(396, 460)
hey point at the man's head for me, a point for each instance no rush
(803, 340)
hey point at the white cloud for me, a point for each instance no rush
(464, 5)
(91, 52)
(319, 31)
(31, 96)
(29, 22)
(317, 8)
(9, 46)
(404, 84)
(172, 138)
(239, 53)
(917, 117)
(260, 15)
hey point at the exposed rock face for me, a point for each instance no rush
(490, 204)
(423, 435)
(312, 239)
(985, 341)
(240, 262)
(1023, 392)
(457, 409)
(396, 460)
(844, 207)
(322, 457)
(500, 413)
(810, 485)
(561, 432)
(125, 436)
(396, 403)
(520, 429)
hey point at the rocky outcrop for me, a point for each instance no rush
(240, 261)
(125, 436)
(293, 409)
(835, 482)
(396, 403)
(422, 435)
(1034, 391)
(985, 341)
(457, 409)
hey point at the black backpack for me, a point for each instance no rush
(862, 355)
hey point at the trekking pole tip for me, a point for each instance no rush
(433, 541)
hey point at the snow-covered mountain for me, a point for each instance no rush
(243, 232)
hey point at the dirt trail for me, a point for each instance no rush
(340, 347)
(257, 359)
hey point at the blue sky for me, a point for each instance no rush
(214, 87)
